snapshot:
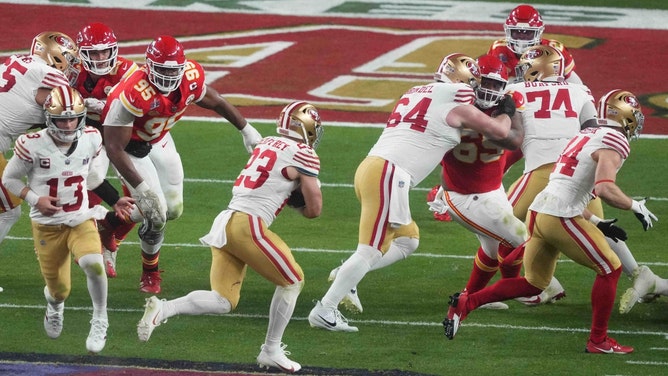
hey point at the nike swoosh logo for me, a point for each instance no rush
(155, 323)
(608, 351)
(332, 324)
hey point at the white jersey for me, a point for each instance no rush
(262, 188)
(552, 114)
(20, 77)
(571, 184)
(417, 136)
(52, 173)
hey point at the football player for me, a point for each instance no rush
(587, 166)
(524, 29)
(472, 186)
(138, 115)
(282, 169)
(27, 81)
(58, 164)
(426, 123)
(101, 68)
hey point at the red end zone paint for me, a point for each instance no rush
(352, 69)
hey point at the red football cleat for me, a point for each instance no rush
(609, 346)
(150, 282)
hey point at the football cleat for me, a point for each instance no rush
(277, 359)
(551, 294)
(456, 313)
(97, 337)
(109, 258)
(150, 282)
(494, 306)
(151, 318)
(351, 300)
(329, 319)
(107, 235)
(53, 320)
(609, 346)
(643, 284)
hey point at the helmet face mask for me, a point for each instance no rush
(301, 121)
(524, 28)
(622, 107)
(166, 62)
(493, 80)
(458, 67)
(59, 51)
(64, 103)
(98, 48)
(541, 63)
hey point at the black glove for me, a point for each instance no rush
(613, 232)
(506, 105)
(296, 199)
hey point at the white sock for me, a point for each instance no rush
(351, 273)
(629, 263)
(96, 279)
(400, 248)
(7, 220)
(198, 302)
(661, 286)
(280, 311)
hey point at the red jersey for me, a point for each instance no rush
(100, 89)
(501, 50)
(156, 113)
(475, 165)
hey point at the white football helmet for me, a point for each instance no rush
(65, 102)
(300, 120)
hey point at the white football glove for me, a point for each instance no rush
(94, 105)
(148, 203)
(438, 205)
(643, 214)
(251, 137)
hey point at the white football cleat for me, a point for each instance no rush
(277, 359)
(151, 318)
(551, 294)
(494, 306)
(109, 259)
(329, 319)
(97, 337)
(53, 319)
(643, 284)
(351, 301)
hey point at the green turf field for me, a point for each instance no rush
(403, 304)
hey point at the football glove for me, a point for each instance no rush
(643, 214)
(438, 205)
(251, 137)
(94, 105)
(506, 105)
(148, 203)
(609, 229)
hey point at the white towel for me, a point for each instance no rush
(400, 211)
(216, 236)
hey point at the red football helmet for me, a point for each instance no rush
(622, 107)
(493, 80)
(166, 62)
(95, 41)
(524, 28)
(458, 67)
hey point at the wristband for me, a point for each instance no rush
(594, 219)
(142, 187)
(31, 198)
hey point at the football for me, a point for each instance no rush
(296, 199)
